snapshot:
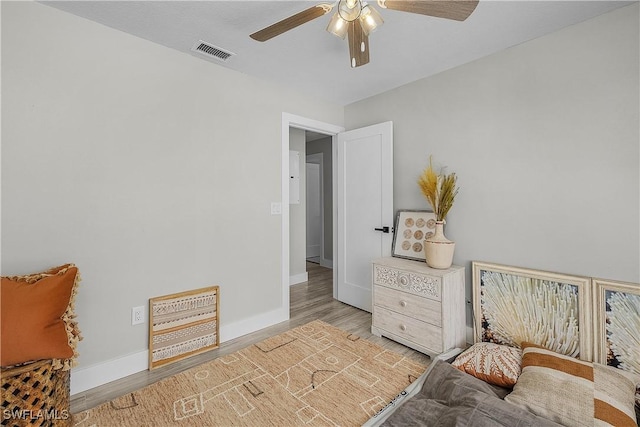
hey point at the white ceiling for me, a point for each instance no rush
(309, 59)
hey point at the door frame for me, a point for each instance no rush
(294, 121)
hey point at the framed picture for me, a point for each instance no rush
(513, 304)
(411, 229)
(183, 324)
(617, 324)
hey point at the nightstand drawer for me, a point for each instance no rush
(405, 327)
(408, 304)
(408, 281)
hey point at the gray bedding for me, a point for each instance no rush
(450, 397)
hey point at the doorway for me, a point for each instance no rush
(363, 196)
(310, 203)
(314, 208)
(319, 157)
(296, 122)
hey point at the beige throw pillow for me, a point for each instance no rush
(573, 392)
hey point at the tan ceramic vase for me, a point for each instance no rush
(438, 250)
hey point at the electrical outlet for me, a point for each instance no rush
(137, 315)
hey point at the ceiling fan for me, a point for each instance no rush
(357, 19)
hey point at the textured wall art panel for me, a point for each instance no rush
(514, 304)
(617, 325)
(182, 325)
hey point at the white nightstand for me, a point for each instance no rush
(418, 306)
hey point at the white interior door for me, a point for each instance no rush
(365, 208)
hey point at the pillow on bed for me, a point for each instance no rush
(573, 392)
(493, 363)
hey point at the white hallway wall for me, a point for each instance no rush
(545, 140)
(150, 169)
(297, 217)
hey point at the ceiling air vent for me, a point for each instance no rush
(212, 51)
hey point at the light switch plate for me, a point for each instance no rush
(276, 208)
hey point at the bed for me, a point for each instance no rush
(546, 353)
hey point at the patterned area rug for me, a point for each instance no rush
(313, 375)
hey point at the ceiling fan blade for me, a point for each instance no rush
(292, 22)
(458, 10)
(358, 44)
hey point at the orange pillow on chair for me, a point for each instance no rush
(32, 325)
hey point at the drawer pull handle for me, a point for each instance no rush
(403, 328)
(403, 303)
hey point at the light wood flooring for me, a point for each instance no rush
(309, 301)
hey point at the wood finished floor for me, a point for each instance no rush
(309, 301)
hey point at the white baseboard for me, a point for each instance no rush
(313, 251)
(328, 263)
(298, 278)
(252, 324)
(83, 379)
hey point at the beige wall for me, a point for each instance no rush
(150, 169)
(544, 139)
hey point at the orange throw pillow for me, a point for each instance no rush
(32, 327)
(493, 363)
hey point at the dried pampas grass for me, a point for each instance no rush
(439, 189)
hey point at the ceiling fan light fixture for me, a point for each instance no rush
(356, 19)
(349, 10)
(338, 26)
(370, 19)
